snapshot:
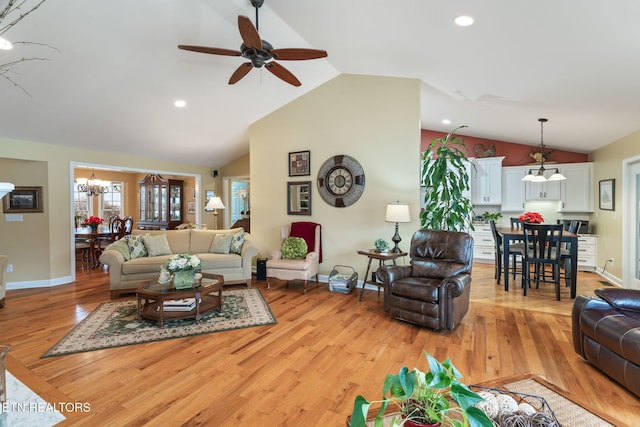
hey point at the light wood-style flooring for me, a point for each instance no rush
(306, 370)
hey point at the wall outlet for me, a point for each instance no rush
(9, 268)
(611, 261)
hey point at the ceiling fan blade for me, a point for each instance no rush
(212, 50)
(282, 73)
(240, 72)
(249, 33)
(295, 54)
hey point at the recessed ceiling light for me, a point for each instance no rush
(5, 44)
(464, 21)
(180, 103)
(446, 121)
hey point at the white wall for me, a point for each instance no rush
(376, 120)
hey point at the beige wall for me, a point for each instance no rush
(40, 247)
(609, 224)
(376, 120)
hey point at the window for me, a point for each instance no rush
(111, 203)
(81, 206)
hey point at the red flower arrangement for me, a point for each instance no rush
(531, 217)
(93, 220)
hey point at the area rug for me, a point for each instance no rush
(115, 324)
(567, 412)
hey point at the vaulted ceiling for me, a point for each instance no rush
(113, 70)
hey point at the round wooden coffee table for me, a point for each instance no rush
(155, 299)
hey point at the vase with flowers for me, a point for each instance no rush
(183, 267)
(531, 217)
(93, 222)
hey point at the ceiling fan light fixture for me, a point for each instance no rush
(464, 20)
(260, 53)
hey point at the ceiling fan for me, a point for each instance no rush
(260, 52)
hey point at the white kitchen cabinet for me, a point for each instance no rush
(486, 181)
(549, 190)
(587, 252)
(513, 188)
(577, 189)
(483, 246)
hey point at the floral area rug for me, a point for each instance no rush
(115, 324)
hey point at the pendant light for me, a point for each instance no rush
(539, 176)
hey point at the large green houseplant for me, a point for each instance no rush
(445, 176)
(432, 398)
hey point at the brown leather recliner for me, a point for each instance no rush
(434, 290)
(606, 332)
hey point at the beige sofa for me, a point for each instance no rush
(126, 276)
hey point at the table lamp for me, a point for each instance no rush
(397, 212)
(215, 203)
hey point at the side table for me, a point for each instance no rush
(382, 258)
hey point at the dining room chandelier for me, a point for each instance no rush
(93, 186)
(539, 176)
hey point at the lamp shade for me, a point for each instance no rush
(5, 187)
(214, 203)
(397, 212)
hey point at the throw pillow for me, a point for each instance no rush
(122, 247)
(136, 246)
(237, 242)
(294, 248)
(156, 245)
(221, 244)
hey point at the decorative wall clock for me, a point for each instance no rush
(341, 181)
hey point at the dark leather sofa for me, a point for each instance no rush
(432, 291)
(606, 332)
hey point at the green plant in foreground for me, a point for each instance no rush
(426, 398)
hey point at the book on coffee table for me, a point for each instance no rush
(185, 304)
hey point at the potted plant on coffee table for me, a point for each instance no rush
(435, 398)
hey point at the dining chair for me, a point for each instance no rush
(565, 251)
(516, 251)
(516, 223)
(541, 241)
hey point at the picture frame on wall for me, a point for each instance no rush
(300, 163)
(607, 194)
(208, 195)
(191, 207)
(299, 198)
(23, 200)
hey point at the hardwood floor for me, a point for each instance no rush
(306, 370)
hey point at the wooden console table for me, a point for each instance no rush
(382, 258)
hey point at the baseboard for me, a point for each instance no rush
(39, 283)
(610, 277)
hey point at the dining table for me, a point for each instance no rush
(103, 232)
(510, 235)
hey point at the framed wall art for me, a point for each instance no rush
(191, 207)
(299, 198)
(208, 195)
(300, 163)
(23, 200)
(607, 194)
